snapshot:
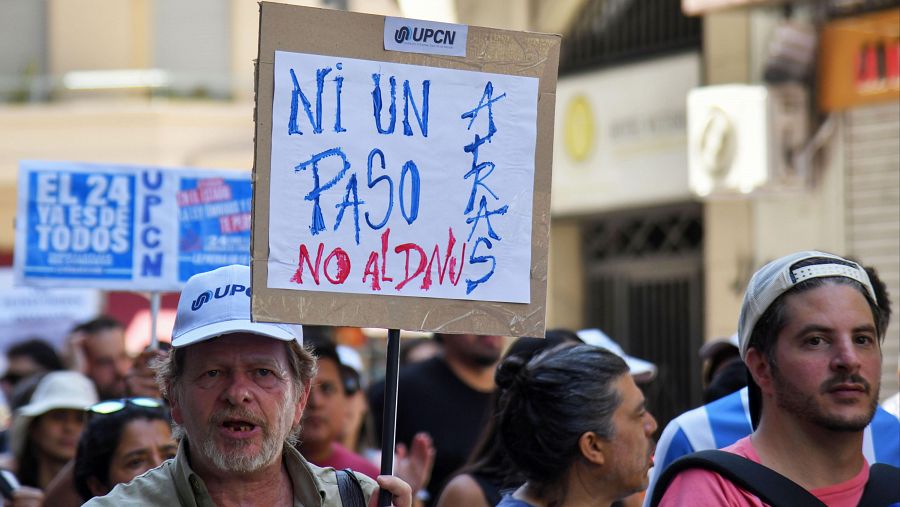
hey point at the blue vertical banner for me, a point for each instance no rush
(124, 227)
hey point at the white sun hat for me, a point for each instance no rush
(217, 303)
(56, 390)
(636, 366)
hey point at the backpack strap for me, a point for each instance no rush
(350, 489)
(883, 486)
(490, 491)
(767, 484)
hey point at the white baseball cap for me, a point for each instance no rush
(637, 367)
(217, 303)
(780, 275)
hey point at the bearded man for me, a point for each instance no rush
(237, 390)
(810, 333)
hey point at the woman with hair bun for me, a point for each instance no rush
(574, 424)
(488, 472)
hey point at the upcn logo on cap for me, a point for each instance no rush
(220, 292)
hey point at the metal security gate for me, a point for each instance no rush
(644, 288)
(872, 191)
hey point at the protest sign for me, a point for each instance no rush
(48, 314)
(397, 189)
(407, 202)
(127, 227)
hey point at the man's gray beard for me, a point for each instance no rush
(240, 462)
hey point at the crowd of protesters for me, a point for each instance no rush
(236, 412)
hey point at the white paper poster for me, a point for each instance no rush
(48, 314)
(402, 180)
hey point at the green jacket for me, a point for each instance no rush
(175, 483)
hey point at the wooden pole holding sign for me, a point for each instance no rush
(389, 426)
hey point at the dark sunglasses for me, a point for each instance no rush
(113, 406)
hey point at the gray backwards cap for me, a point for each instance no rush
(779, 276)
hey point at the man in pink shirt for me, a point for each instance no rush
(810, 334)
(324, 418)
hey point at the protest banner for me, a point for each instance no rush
(402, 173)
(120, 227)
(49, 314)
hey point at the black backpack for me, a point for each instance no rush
(882, 488)
(350, 489)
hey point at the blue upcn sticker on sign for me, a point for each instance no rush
(427, 37)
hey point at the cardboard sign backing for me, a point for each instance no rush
(361, 36)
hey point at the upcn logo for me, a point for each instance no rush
(402, 34)
(425, 35)
(220, 292)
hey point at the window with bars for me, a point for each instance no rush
(612, 31)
